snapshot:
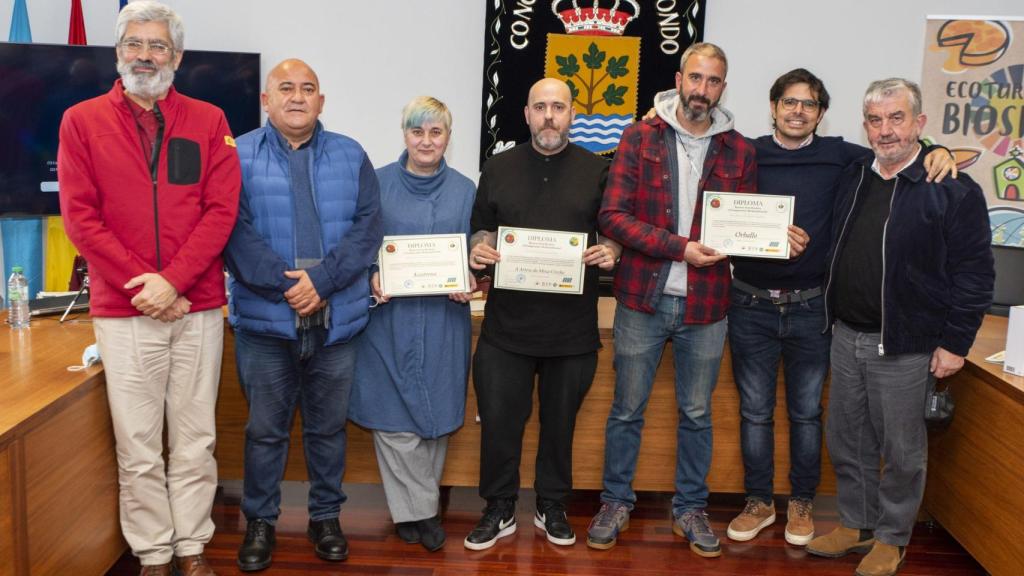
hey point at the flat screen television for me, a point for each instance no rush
(41, 81)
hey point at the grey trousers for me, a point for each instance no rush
(410, 469)
(876, 434)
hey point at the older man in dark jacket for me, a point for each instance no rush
(910, 278)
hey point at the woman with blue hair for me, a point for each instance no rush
(413, 358)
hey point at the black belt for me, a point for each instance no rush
(778, 296)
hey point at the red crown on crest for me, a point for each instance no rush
(596, 20)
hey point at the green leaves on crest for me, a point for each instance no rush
(594, 58)
(617, 66)
(613, 94)
(567, 65)
(573, 89)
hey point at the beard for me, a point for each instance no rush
(696, 114)
(904, 149)
(546, 141)
(149, 86)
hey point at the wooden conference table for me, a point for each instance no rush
(58, 475)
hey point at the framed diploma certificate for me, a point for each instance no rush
(747, 224)
(423, 264)
(540, 260)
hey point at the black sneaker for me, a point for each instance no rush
(550, 518)
(328, 541)
(499, 520)
(432, 535)
(258, 545)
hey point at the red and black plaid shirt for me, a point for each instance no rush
(639, 211)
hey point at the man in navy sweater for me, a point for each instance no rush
(777, 308)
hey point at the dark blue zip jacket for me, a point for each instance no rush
(938, 270)
(262, 245)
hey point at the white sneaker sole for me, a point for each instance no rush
(749, 534)
(508, 531)
(560, 541)
(797, 540)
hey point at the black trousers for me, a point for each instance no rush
(504, 393)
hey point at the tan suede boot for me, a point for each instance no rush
(841, 542)
(883, 560)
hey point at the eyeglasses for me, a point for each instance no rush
(809, 105)
(134, 46)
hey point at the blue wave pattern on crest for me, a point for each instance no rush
(599, 133)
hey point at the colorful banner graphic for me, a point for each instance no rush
(972, 84)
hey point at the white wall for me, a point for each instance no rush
(846, 44)
(373, 57)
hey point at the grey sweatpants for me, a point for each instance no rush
(876, 434)
(410, 469)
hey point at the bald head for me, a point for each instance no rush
(288, 66)
(292, 100)
(549, 87)
(549, 114)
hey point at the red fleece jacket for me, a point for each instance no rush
(120, 220)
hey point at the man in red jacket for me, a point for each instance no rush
(149, 183)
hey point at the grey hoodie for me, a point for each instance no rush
(690, 152)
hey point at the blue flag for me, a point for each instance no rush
(123, 3)
(22, 238)
(20, 30)
(23, 246)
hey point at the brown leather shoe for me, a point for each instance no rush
(883, 560)
(156, 570)
(841, 542)
(193, 566)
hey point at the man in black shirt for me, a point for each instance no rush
(547, 184)
(910, 278)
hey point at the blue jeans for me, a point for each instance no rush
(276, 374)
(760, 333)
(639, 342)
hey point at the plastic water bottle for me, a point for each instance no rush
(17, 299)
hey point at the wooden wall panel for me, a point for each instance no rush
(71, 490)
(975, 470)
(7, 522)
(655, 469)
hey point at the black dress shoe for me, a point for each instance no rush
(432, 535)
(328, 541)
(408, 532)
(258, 545)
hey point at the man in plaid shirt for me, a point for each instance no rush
(669, 286)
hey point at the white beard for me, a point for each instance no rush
(145, 85)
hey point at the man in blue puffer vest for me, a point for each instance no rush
(308, 229)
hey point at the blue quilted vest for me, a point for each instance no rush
(336, 161)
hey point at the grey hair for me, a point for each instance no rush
(141, 11)
(882, 89)
(706, 49)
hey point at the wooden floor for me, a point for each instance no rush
(648, 548)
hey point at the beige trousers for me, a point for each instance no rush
(156, 370)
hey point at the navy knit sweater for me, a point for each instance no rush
(810, 174)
